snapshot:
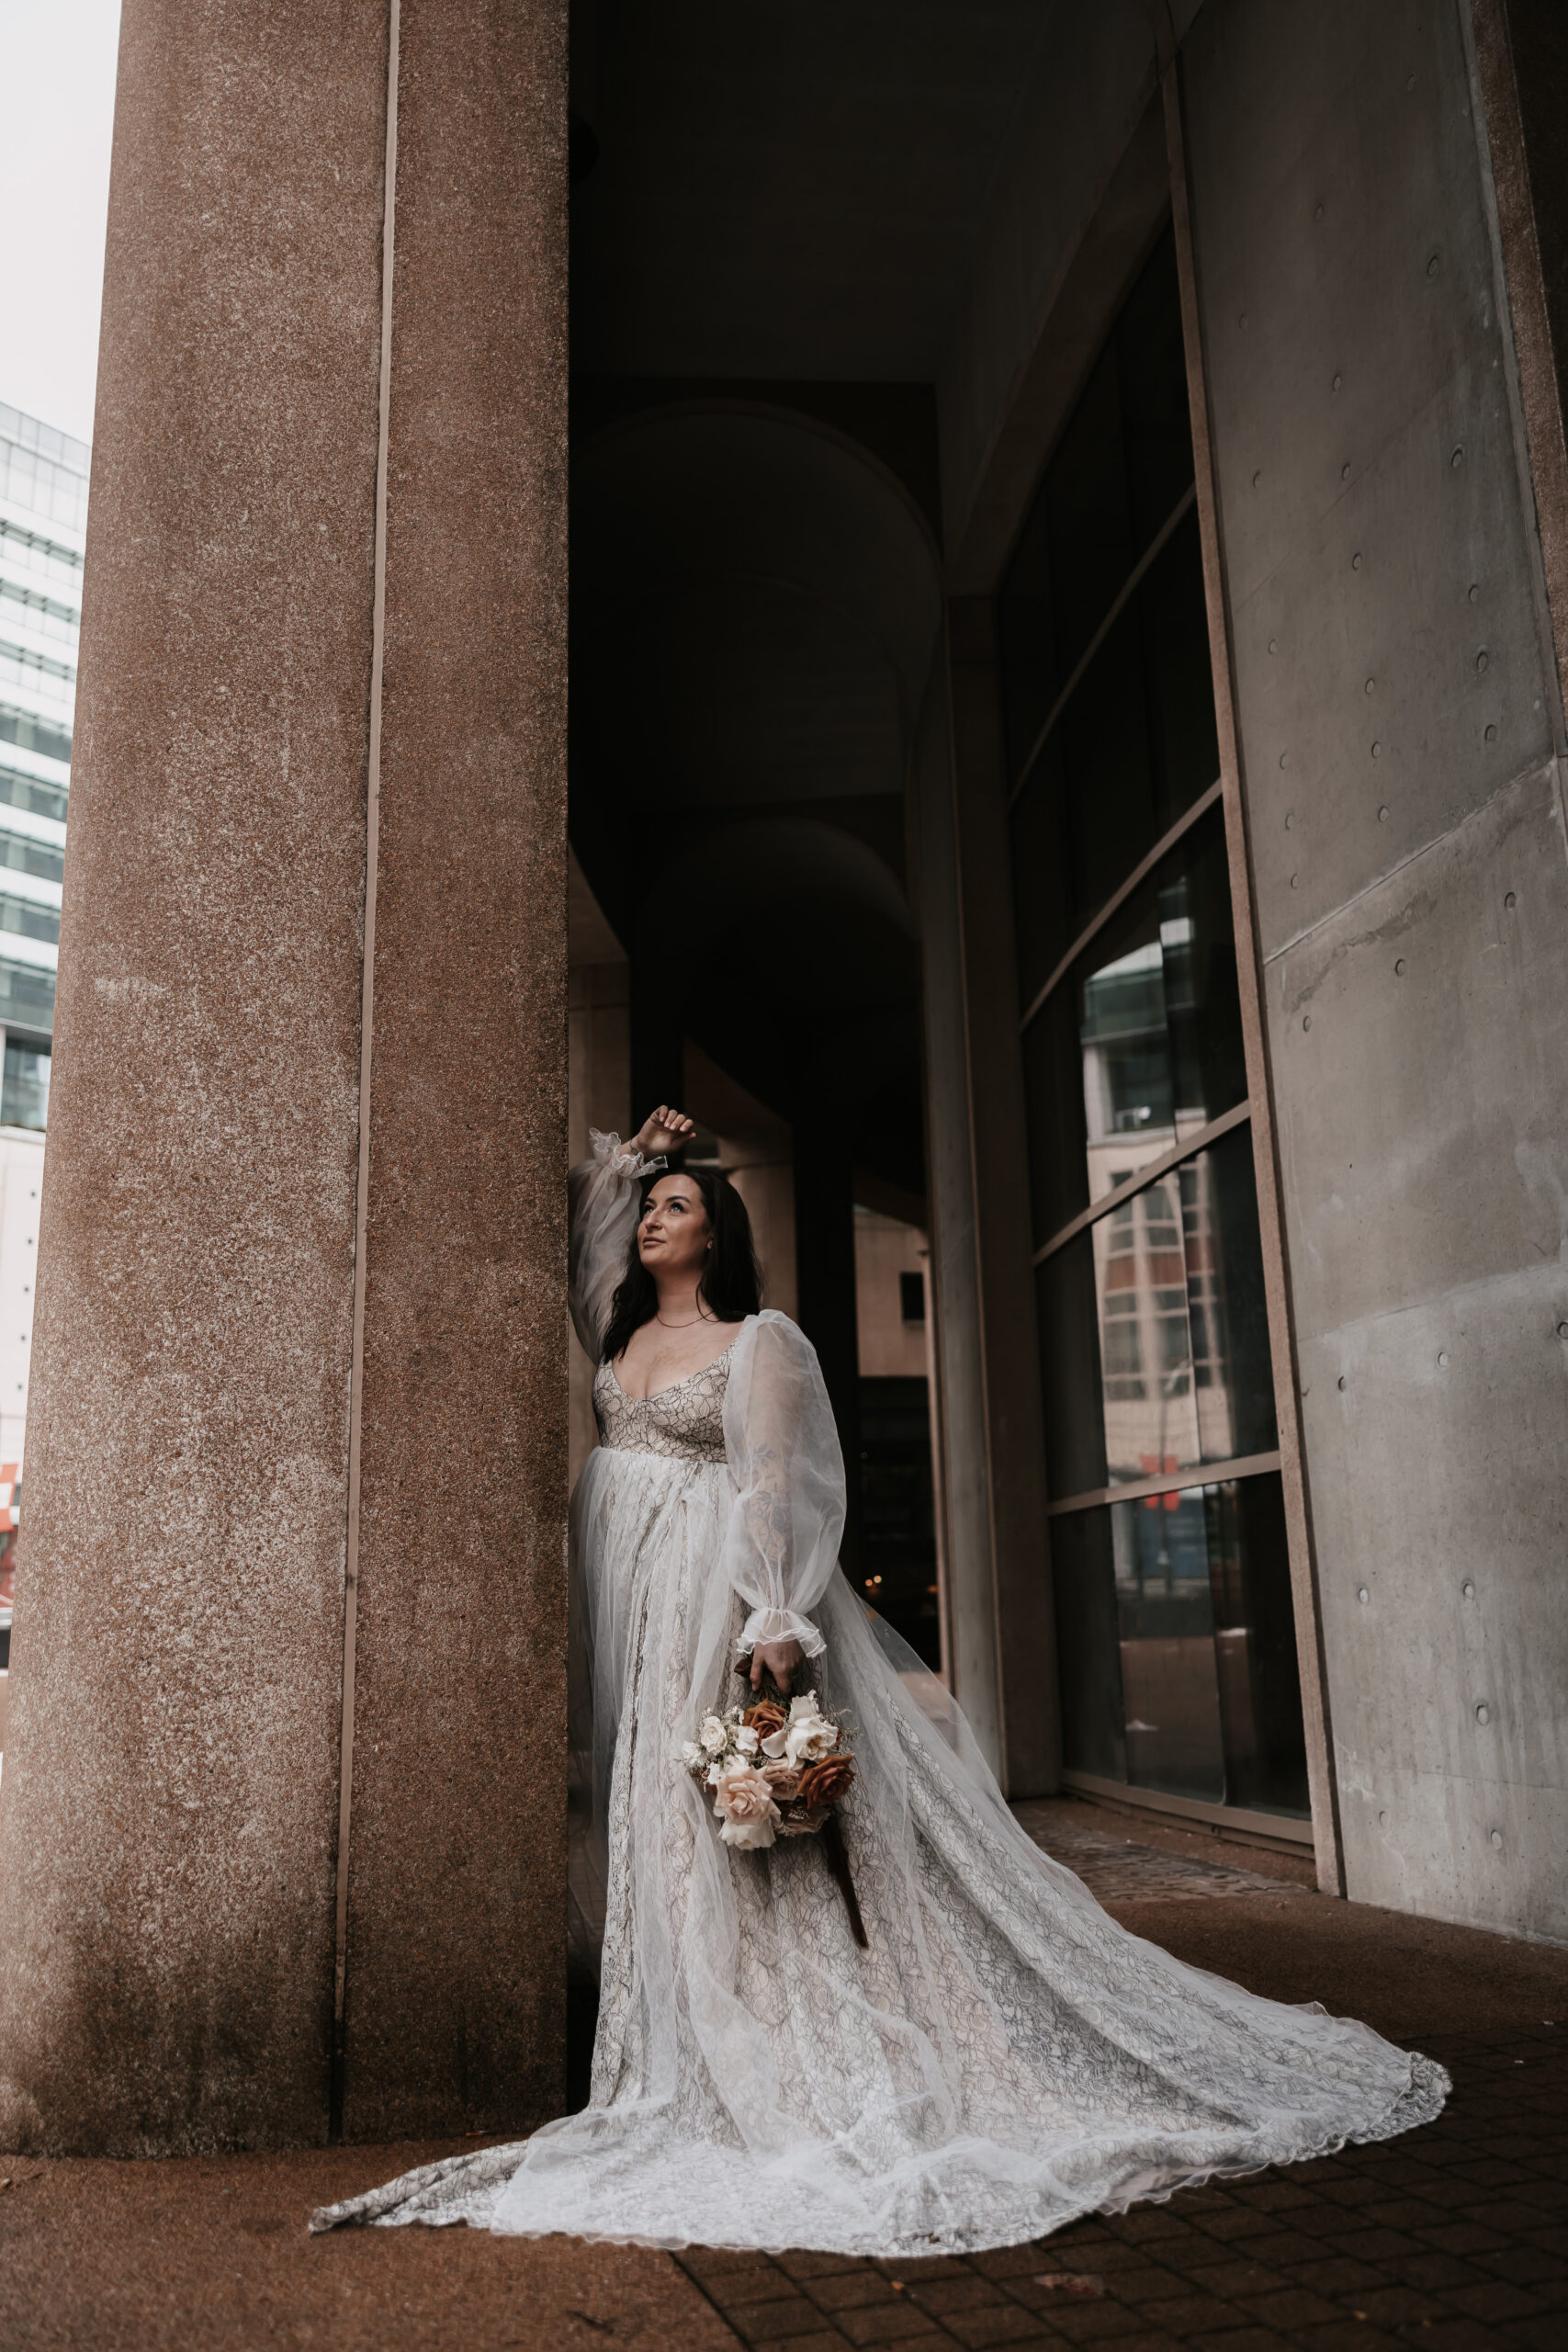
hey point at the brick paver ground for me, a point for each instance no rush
(1118, 1868)
(1451, 2238)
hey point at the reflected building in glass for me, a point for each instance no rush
(43, 515)
(1173, 1599)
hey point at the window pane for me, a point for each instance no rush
(1164, 1619)
(1255, 1639)
(1133, 749)
(1179, 1669)
(1087, 522)
(1153, 373)
(1089, 1644)
(1174, 617)
(1154, 1331)
(1067, 1318)
(23, 1096)
(1141, 1045)
(27, 994)
(1107, 772)
(1026, 642)
(1042, 896)
(1227, 1307)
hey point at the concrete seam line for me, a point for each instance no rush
(366, 1042)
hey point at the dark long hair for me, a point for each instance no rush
(731, 1287)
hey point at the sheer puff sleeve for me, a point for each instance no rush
(604, 1196)
(788, 1514)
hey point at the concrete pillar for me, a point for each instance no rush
(301, 1314)
(999, 1631)
(1028, 1669)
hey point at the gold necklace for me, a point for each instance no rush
(678, 1326)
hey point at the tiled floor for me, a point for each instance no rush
(1116, 1867)
(1451, 2237)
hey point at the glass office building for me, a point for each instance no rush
(43, 515)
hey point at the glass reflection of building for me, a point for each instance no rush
(1173, 1600)
(44, 513)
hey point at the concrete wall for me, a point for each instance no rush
(1396, 707)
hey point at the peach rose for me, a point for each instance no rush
(744, 1804)
(784, 1781)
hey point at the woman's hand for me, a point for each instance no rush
(666, 1130)
(777, 1658)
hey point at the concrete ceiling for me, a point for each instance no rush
(754, 606)
(788, 190)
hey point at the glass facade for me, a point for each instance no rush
(1175, 1623)
(44, 513)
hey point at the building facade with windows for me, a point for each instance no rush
(43, 518)
(1068, 606)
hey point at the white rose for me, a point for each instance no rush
(745, 1740)
(712, 1735)
(690, 1753)
(744, 1804)
(808, 1735)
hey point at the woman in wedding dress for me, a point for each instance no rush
(1001, 2057)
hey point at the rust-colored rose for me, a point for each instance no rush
(828, 1783)
(765, 1718)
(784, 1779)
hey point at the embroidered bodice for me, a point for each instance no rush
(683, 1423)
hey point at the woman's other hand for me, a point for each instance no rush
(667, 1130)
(777, 1658)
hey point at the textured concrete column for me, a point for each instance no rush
(1009, 1357)
(455, 2016)
(205, 1432)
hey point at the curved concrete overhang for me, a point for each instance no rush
(755, 606)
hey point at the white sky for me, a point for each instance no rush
(57, 69)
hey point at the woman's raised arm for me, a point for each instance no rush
(603, 1197)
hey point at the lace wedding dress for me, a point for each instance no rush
(1001, 2059)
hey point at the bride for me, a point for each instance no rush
(1001, 2057)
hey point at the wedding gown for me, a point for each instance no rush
(1001, 2059)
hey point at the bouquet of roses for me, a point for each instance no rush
(779, 1767)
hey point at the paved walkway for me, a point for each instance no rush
(1453, 2236)
(1450, 2238)
(1118, 1864)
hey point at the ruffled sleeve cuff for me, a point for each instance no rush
(621, 1159)
(780, 1625)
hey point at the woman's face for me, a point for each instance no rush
(673, 1236)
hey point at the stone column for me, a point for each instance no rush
(985, 1089)
(310, 715)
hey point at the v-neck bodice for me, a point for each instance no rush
(684, 1423)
